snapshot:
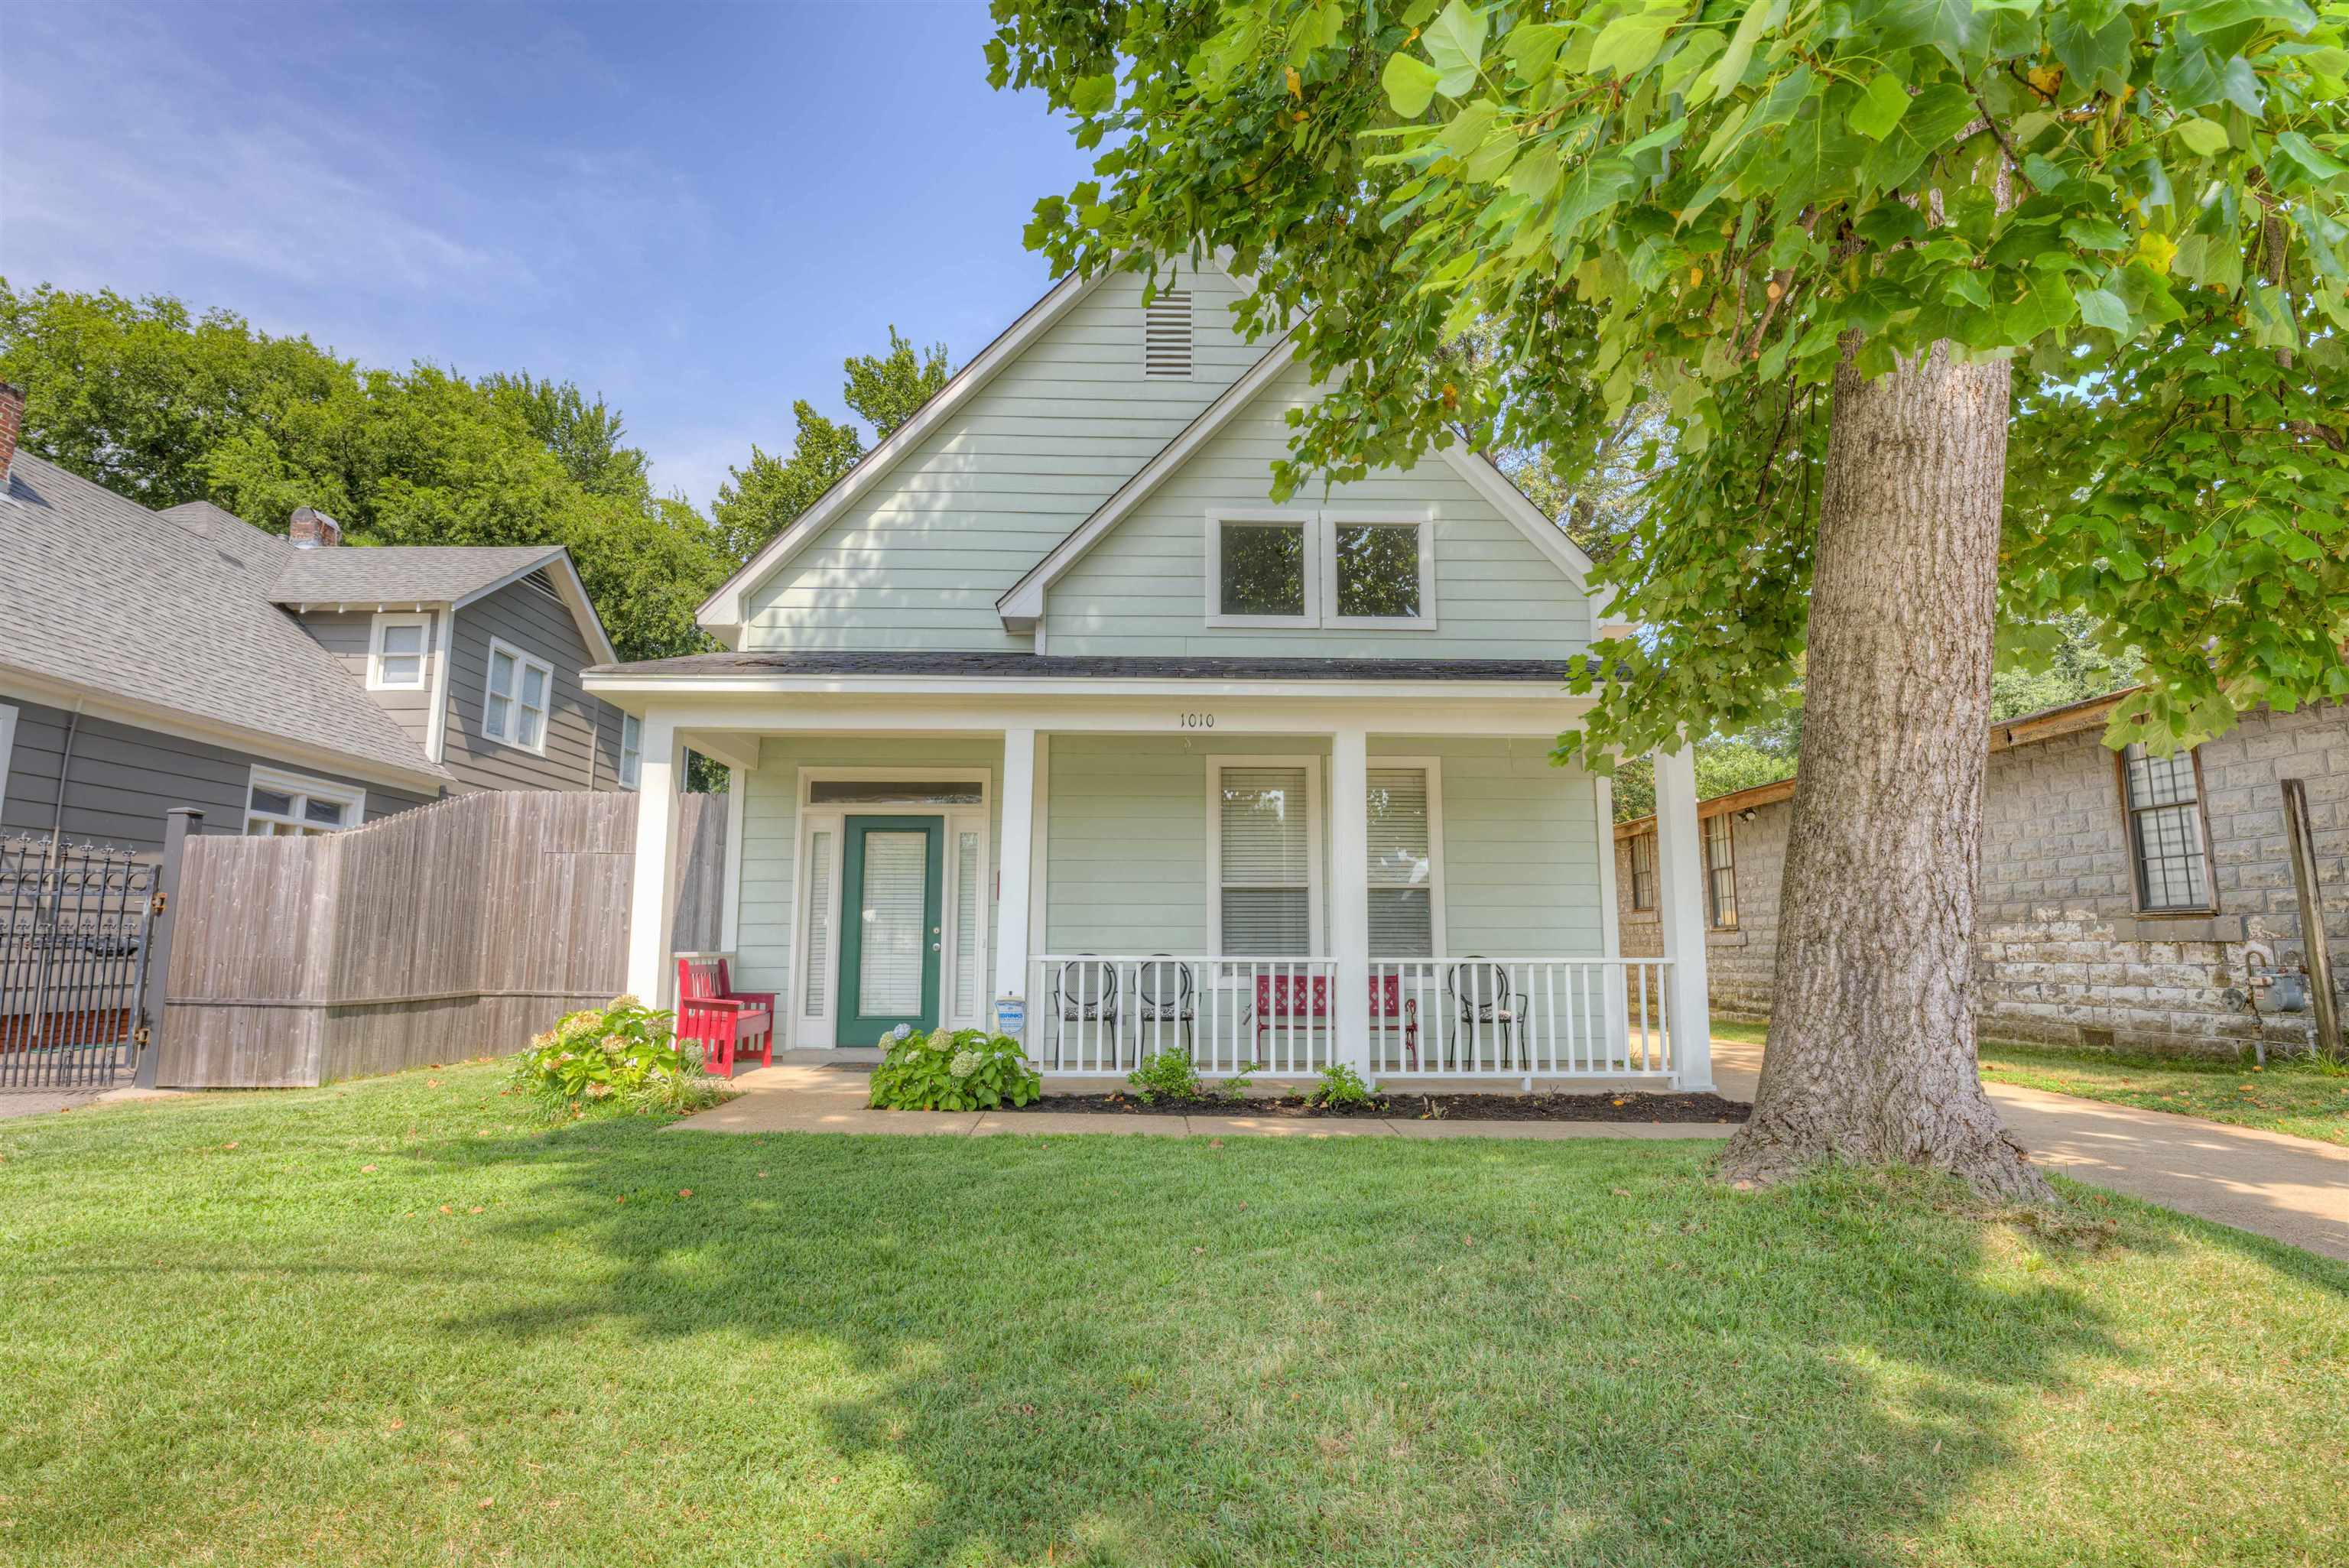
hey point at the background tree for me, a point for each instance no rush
(1849, 249)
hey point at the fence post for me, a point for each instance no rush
(178, 823)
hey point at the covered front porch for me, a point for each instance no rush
(1269, 876)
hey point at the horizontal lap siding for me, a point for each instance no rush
(349, 636)
(1143, 590)
(582, 732)
(920, 561)
(122, 779)
(1521, 846)
(769, 843)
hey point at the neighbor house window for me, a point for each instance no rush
(632, 751)
(1720, 872)
(396, 651)
(1643, 871)
(2165, 810)
(289, 805)
(1259, 566)
(513, 708)
(1378, 569)
(1401, 816)
(1266, 827)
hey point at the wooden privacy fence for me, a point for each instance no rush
(453, 931)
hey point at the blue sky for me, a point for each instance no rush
(698, 210)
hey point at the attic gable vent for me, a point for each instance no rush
(544, 582)
(1166, 335)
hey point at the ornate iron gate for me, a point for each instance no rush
(74, 922)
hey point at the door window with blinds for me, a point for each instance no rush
(1406, 905)
(1264, 861)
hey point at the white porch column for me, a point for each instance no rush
(1350, 896)
(652, 902)
(1681, 909)
(1013, 861)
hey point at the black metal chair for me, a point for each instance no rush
(1165, 994)
(1486, 1002)
(1084, 991)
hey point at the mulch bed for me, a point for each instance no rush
(1651, 1107)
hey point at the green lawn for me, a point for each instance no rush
(397, 1323)
(2298, 1097)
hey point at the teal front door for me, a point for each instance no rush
(891, 890)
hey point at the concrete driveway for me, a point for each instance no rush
(2292, 1189)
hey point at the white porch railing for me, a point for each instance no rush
(1100, 1013)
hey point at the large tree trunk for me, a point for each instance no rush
(1871, 1047)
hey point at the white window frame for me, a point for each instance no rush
(1304, 520)
(1317, 934)
(832, 816)
(384, 622)
(632, 755)
(302, 787)
(523, 660)
(1320, 568)
(1433, 767)
(1424, 521)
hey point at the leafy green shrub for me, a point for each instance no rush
(951, 1069)
(1341, 1087)
(1165, 1074)
(625, 1055)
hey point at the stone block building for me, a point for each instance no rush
(2128, 901)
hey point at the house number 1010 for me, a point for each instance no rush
(1198, 721)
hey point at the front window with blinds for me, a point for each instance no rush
(1265, 862)
(1720, 872)
(2165, 808)
(1643, 871)
(1403, 864)
(815, 986)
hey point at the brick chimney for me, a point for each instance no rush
(313, 530)
(12, 420)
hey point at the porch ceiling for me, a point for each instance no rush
(998, 666)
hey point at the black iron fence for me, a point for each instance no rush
(74, 928)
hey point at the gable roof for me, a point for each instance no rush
(104, 598)
(361, 576)
(723, 611)
(1022, 604)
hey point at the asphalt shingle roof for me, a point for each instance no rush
(1099, 666)
(99, 593)
(409, 574)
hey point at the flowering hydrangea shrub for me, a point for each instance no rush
(952, 1070)
(626, 1053)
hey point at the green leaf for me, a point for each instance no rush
(2095, 233)
(1628, 43)
(1532, 48)
(2094, 54)
(2047, 305)
(1410, 82)
(1090, 94)
(2207, 138)
(1948, 26)
(1730, 70)
(2184, 73)
(2303, 152)
(1934, 116)
(1455, 42)
(1881, 107)
(2102, 307)
(1593, 188)
(2238, 84)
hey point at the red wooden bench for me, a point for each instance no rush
(708, 1009)
(1285, 998)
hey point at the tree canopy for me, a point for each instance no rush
(1708, 207)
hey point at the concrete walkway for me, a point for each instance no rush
(2292, 1189)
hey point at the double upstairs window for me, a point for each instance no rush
(1272, 568)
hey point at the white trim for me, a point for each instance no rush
(436, 727)
(1305, 522)
(1022, 604)
(95, 703)
(1433, 767)
(811, 774)
(961, 820)
(304, 788)
(524, 662)
(819, 1030)
(8, 746)
(725, 608)
(384, 621)
(573, 594)
(1316, 846)
(1039, 858)
(1420, 518)
(953, 688)
(730, 895)
(630, 779)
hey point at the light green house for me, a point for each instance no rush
(1047, 712)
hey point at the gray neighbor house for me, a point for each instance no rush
(2128, 901)
(281, 685)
